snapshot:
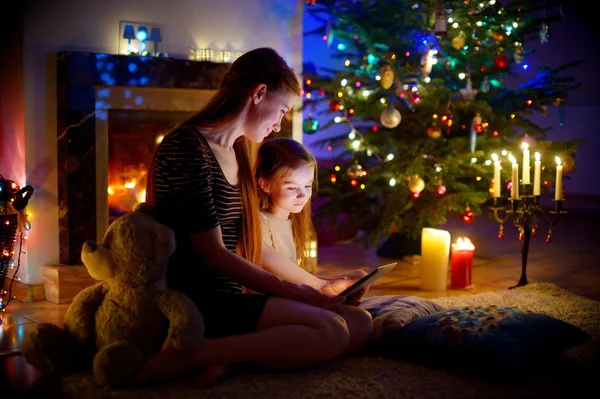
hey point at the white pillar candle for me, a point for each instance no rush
(537, 172)
(526, 167)
(514, 190)
(435, 252)
(558, 190)
(497, 168)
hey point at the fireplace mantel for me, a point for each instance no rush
(89, 84)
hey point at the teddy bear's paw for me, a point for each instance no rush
(116, 363)
(47, 348)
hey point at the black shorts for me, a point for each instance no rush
(229, 313)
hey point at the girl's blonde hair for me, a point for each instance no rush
(258, 66)
(277, 159)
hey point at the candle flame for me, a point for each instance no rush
(537, 156)
(463, 244)
(525, 146)
(558, 161)
(512, 158)
(495, 157)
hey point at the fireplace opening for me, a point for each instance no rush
(132, 137)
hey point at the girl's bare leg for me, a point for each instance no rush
(359, 321)
(360, 326)
(289, 334)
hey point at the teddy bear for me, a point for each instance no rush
(117, 323)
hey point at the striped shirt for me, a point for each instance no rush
(191, 195)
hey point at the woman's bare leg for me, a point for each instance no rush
(289, 334)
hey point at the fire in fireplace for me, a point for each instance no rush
(132, 137)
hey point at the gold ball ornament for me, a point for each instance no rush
(434, 132)
(416, 184)
(568, 163)
(499, 35)
(390, 117)
(387, 77)
(458, 42)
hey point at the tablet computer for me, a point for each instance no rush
(368, 279)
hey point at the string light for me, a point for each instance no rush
(15, 224)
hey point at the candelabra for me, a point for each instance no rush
(526, 213)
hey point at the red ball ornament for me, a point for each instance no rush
(334, 105)
(500, 235)
(415, 97)
(440, 190)
(467, 216)
(501, 61)
(549, 239)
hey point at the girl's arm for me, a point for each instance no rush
(281, 266)
(210, 246)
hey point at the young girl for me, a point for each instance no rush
(285, 173)
(201, 185)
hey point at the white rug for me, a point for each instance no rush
(376, 377)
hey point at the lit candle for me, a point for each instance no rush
(496, 176)
(435, 250)
(514, 189)
(462, 263)
(537, 174)
(558, 190)
(526, 167)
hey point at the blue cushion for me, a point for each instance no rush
(507, 336)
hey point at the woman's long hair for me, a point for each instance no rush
(258, 66)
(277, 159)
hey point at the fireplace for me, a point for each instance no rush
(129, 98)
(130, 122)
(111, 110)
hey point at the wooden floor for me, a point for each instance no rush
(570, 261)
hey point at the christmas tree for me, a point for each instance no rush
(427, 108)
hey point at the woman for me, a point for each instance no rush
(201, 185)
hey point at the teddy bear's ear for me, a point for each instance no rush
(146, 208)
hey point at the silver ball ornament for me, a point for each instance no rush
(390, 117)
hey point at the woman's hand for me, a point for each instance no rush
(307, 294)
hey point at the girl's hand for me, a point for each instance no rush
(336, 286)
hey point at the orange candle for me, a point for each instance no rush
(462, 263)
